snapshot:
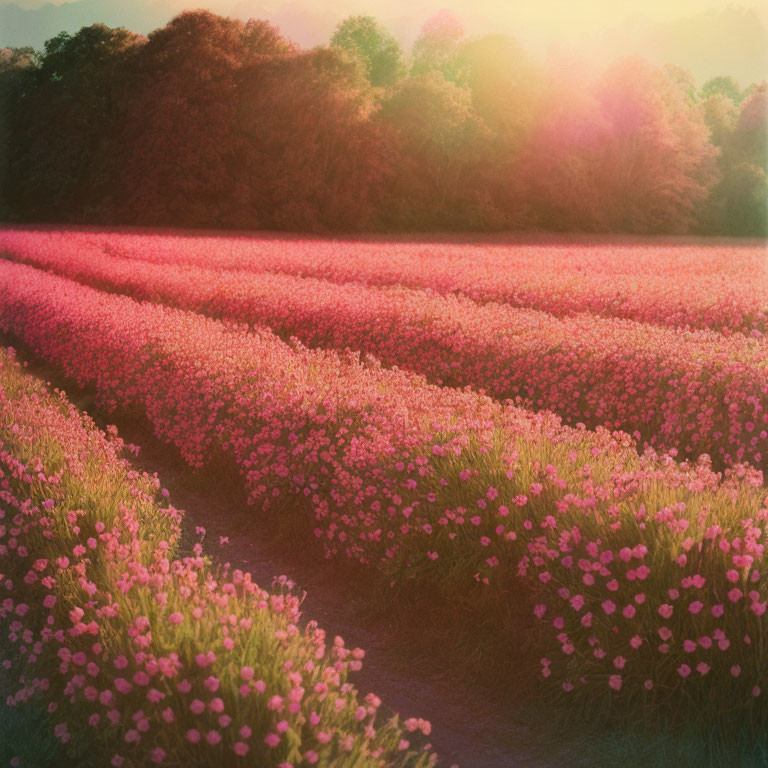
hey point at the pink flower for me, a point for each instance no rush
(275, 703)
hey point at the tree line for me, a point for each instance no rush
(213, 122)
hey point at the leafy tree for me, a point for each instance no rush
(309, 157)
(559, 169)
(16, 59)
(504, 85)
(64, 122)
(743, 195)
(739, 203)
(379, 53)
(720, 114)
(17, 66)
(260, 38)
(437, 49)
(178, 134)
(632, 156)
(750, 140)
(216, 122)
(443, 155)
(724, 86)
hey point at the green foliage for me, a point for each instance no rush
(437, 49)
(738, 204)
(444, 152)
(719, 113)
(62, 120)
(724, 86)
(379, 53)
(744, 194)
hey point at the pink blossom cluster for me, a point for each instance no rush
(432, 482)
(722, 287)
(144, 658)
(656, 601)
(695, 391)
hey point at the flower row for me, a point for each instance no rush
(141, 657)
(695, 391)
(640, 569)
(720, 287)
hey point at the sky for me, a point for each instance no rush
(557, 18)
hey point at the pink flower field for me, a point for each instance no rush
(575, 435)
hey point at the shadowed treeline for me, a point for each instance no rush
(212, 122)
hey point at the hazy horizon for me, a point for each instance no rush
(707, 36)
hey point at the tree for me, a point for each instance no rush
(719, 114)
(17, 67)
(309, 156)
(178, 134)
(634, 156)
(739, 203)
(15, 59)
(559, 169)
(504, 85)
(437, 49)
(724, 86)
(443, 152)
(379, 53)
(63, 125)
(743, 195)
(749, 138)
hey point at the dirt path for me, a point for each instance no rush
(468, 728)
